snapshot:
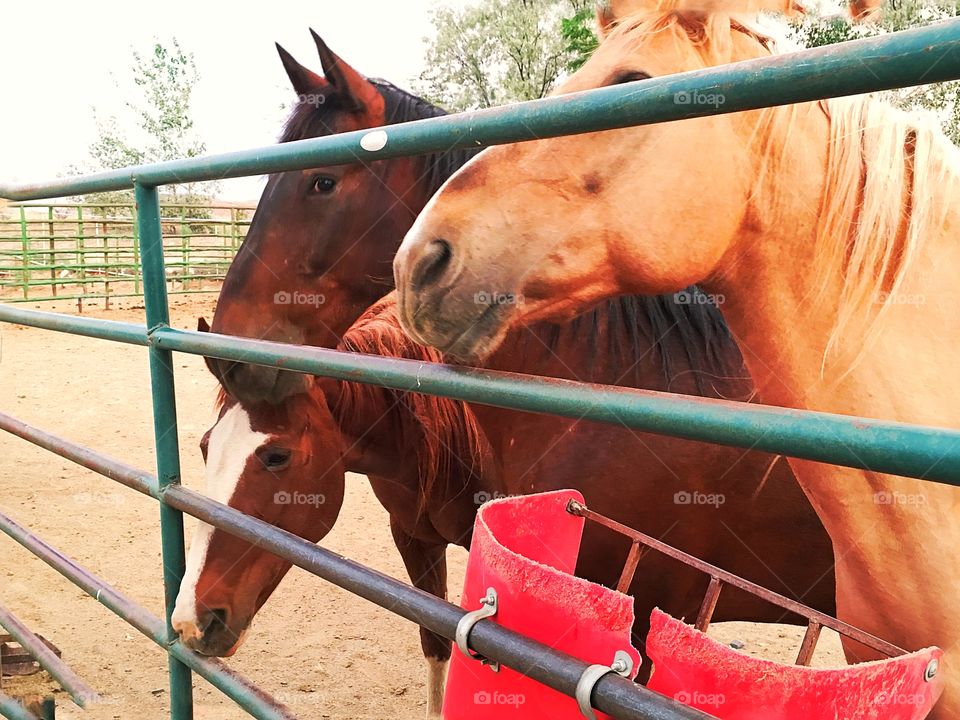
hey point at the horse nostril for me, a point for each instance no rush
(219, 617)
(211, 619)
(431, 267)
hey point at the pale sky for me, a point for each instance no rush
(57, 59)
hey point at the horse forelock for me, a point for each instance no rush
(708, 36)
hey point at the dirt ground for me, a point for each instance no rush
(322, 651)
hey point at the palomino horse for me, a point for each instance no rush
(828, 227)
(429, 460)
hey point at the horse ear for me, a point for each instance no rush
(305, 81)
(605, 19)
(204, 327)
(351, 86)
(864, 10)
(205, 443)
(610, 12)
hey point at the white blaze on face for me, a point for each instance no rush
(232, 442)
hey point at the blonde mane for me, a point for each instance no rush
(884, 185)
(883, 197)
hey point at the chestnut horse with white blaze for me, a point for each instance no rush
(430, 459)
(828, 227)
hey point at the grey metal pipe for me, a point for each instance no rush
(614, 695)
(232, 684)
(58, 669)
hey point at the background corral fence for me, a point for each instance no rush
(898, 60)
(76, 251)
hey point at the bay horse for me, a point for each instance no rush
(320, 247)
(829, 228)
(431, 461)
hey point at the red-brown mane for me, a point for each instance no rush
(444, 432)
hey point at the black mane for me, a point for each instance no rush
(315, 119)
(626, 321)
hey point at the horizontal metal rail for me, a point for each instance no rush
(48, 660)
(911, 57)
(116, 470)
(614, 694)
(927, 453)
(116, 331)
(235, 686)
(898, 448)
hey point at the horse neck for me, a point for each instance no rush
(653, 343)
(438, 167)
(430, 448)
(783, 312)
(784, 296)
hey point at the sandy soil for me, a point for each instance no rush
(324, 652)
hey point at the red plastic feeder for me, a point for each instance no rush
(525, 548)
(698, 671)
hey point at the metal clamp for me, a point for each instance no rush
(487, 609)
(622, 665)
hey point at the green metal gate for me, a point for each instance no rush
(898, 60)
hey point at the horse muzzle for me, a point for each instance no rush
(440, 307)
(211, 634)
(257, 383)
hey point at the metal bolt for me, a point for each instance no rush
(575, 508)
(931, 671)
(622, 663)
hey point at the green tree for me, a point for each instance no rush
(816, 29)
(498, 51)
(580, 36)
(164, 79)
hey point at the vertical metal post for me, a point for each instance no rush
(48, 710)
(53, 247)
(25, 248)
(165, 430)
(136, 256)
(81, 258)
(107, 266)
(184, 248)
(709, 604)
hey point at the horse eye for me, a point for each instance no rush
(629, 76)
(324, 184)
(274, 458)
